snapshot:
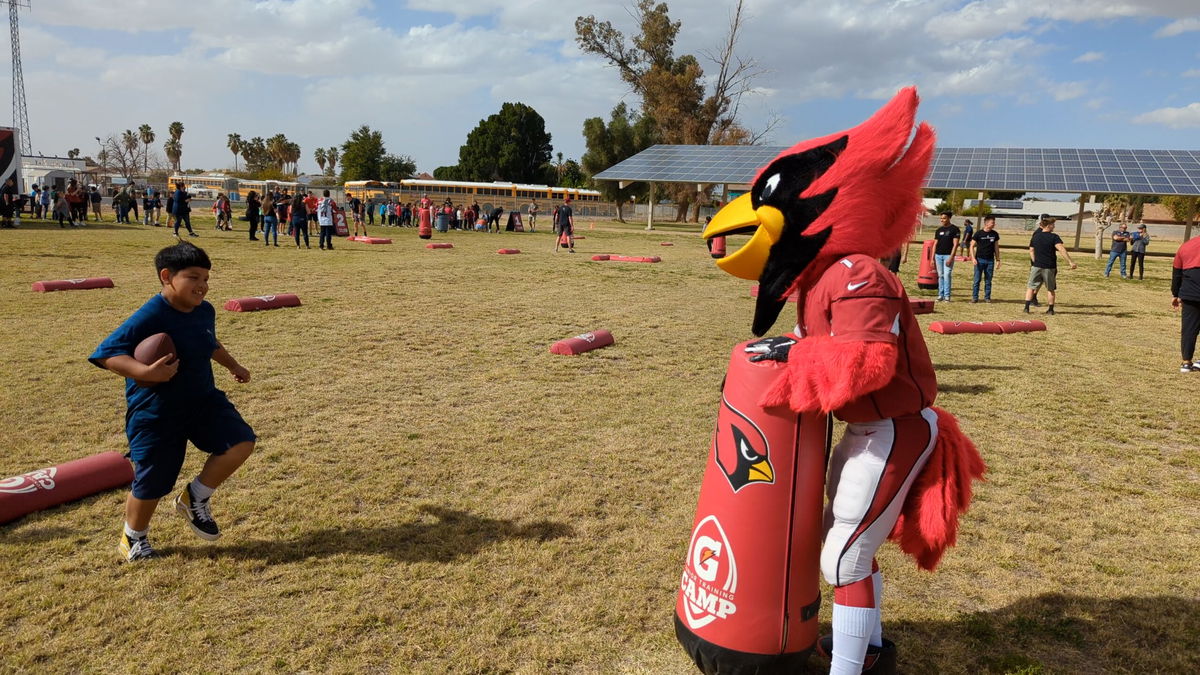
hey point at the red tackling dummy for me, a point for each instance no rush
(263, 302)
(370, 240)
(72, 284)
(992, 327)
(509, 251)
(439, 245)
(37, 490)
(665, 243)
(628, 258)
(921, 306)
(583, 343)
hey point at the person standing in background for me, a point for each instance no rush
(252, 213)
(270, 222)
(947, 238)
(1120, 246)
(1137, 251)
(181, 210)
(299, 219)
(985, 251)
(1185, 296)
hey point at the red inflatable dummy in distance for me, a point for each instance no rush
(927, 273)
(748, 595)
(583, 343)
(72, 284)
(440, 245)
(718, 247)
(259, 302)
(425, 219)
(991, 327)
(509, 251)
(921, 306)
(37, 490)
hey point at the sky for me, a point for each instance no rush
(1016, 73)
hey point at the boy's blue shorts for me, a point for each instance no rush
(157, 444)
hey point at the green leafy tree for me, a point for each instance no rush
(396, 168)
(362, 155)
(625, 135)
(510, 145)
(571, 175)
(1184, 210)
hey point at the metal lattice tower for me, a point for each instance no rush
(20, 114)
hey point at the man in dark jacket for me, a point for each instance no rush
(182, 212)
(1185, 295)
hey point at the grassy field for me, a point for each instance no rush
(434, 492)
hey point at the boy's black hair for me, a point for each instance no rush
(180, 257)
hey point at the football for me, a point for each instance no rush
(152, 349)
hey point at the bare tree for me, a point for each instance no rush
(125, 157)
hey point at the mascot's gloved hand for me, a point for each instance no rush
(771, 349)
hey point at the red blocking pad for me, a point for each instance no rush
(259, 302)
(509, 251)
(921, 306)
(992, 327)
(583, 343)
(628, 258)
(439, 245)
(370, 240)
(37, 490)
(1027, 326)
(665, 243)
(754, 294)
(72, 284)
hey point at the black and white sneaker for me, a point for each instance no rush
(135, 549)
(198, 514)
(1189, 368)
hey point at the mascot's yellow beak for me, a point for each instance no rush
(737, 216)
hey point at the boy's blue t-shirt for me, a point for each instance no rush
(195, 337)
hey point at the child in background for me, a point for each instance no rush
(179, 401)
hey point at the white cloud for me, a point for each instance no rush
(1089, 57)
(1179, 27)
(1187, 117)
(989, 18)
(1194, 72)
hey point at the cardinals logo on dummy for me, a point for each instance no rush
(29, 482)
(738, 456)
(710, 577)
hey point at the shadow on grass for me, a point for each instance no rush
(971, 366)
(1057, 633)
(964, 388)
(454, 534)
(1076, 312)
(36, 535)
(17, 254)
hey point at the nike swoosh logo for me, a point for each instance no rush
(855, 287)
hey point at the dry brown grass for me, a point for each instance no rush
(434, 492)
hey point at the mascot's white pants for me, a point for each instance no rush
(871, 471)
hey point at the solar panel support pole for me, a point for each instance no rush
(1079, 220)
(650, 208)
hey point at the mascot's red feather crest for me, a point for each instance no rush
(878, 180)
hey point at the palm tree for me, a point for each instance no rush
(277, 150)
(130, 140)
(146, 134)
(331, 156)
(102, 157)
(176, 130)
(72, 153)
(319, 155)
(174, 150)
(234, 143)
(293, 156)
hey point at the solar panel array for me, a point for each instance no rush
(1150, 172)
(999, 203)
(1157, 172)
(734, 164)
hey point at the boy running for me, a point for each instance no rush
(179, 403)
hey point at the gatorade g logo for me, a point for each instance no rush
(710, 576)
(30, 482)
(742, 449)
(265, 298)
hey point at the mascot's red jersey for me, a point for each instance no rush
(858, 300)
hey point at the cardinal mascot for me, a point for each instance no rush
(821, 215)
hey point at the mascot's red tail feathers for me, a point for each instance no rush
(928, 525)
